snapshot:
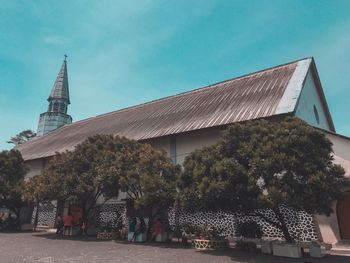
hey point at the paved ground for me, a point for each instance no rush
(43, 247)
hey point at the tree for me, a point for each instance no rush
(101, 166)
(12, 172)
(34, 193)
(148, 179)
(22, 137)
(265, 165)
(84, 175)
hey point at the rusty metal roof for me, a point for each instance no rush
(252, 96)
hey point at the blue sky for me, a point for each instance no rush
(122, 53)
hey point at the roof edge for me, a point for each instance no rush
(322, 95)
(295, 85)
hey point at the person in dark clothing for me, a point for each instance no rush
(141, 228)
(59, 223)
(132, 225)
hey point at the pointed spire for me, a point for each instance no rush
(60, 89)
(56, 114)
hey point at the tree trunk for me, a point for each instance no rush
(288, 237)
(177, 223)
(17, 223)
(150, 224)
(36, 218)
(85, 211)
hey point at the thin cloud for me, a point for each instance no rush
(54, 40)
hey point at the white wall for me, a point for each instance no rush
(328, 226)
(341, 145)
(161, 143)
(305, 106)
(188, 142)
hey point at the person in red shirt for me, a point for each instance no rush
(68, 224)
(83, 227)
(157, 229)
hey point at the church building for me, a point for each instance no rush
(187, 121)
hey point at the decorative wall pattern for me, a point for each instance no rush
(110, 214)
(47, 214)
(300, 224)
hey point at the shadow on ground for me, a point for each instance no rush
(257, 257)
(51, 236)
(233, 254)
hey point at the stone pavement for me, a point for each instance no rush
(43, 247)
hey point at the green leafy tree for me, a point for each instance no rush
(264, 165)
(34, 192)
(148, 179)
(22, 137)
(84, 175)
(12, 172)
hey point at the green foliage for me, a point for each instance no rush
(85, 174)
(149, 180)
(264, 164)
(249, 229)
(22, 137)
(149, 177)
(101, 166)
(12, 172)
(33, 190)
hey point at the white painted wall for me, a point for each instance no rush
(188, 142)
(305, 106)
(328, 226)
(341, 145)
(161, 143)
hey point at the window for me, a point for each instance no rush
(317, 117)
(63, 108)
(55, 106)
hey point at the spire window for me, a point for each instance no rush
(55, 106)
(63, 107)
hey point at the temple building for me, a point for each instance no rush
(187, 121)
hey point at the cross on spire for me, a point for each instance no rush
(65, 58)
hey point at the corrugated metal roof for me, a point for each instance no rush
(252, 96)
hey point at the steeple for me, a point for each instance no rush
(60, 89)
(56, 115)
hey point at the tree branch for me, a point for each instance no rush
(262, 216)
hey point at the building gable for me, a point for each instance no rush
(304, 97)
(310, 107)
